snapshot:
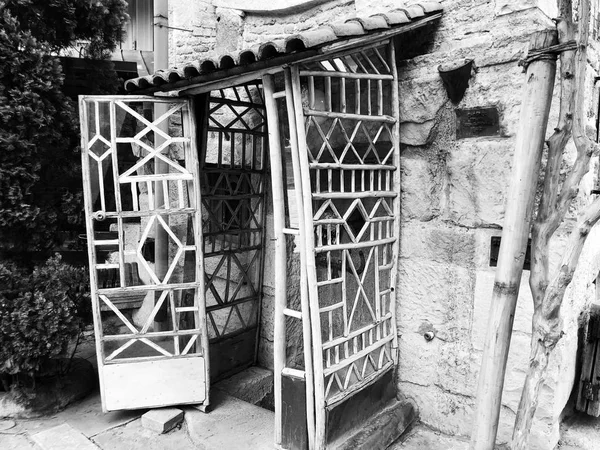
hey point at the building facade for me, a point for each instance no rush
(453, 170)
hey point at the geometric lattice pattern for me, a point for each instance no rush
(140, 182)
(349, 129)
(233, 201)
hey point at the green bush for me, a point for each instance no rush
(40, 313)
(40, 177)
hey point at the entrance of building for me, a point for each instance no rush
(251, 219)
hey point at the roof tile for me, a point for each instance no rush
(396, 17)
(292, 44)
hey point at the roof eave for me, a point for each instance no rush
(244, 73)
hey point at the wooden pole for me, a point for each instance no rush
(537, 97)
(161, 239)
(304, 301)
(280, 251)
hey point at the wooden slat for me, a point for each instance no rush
(350, 116)
(313, 368)
(349, 75)
(277, 187)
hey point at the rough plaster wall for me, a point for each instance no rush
(453, 194)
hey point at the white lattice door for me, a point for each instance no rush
(144, 234)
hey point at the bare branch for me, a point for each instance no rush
(548, 216)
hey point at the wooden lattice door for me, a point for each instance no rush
(342, 126)
(144, 228)
(233, 183)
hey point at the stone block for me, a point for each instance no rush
(421, 99)
(63, 437)
(381, 430)
(421, 186)
(413, 133)
(233, 425)
(478, 175)
(441, 294)
(253, 385)
(438, 242)
(162, 420)
(442, 410)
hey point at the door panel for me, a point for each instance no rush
(233, 182)
(144, 228)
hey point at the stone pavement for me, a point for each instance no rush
(421, 437)
(233, 425)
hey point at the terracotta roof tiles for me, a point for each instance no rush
(192, 72)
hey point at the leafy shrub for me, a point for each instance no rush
(40, 313)
(40, 178)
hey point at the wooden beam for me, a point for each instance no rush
(535, 108)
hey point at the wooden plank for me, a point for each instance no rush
(190, 123)
(589, 357)
(593, 408)
(350, 116)
(349, 75)
(353, 412)
(298, 146)
(396, 202)
(154, 384)
(294, 433)
(232, 354)
(293, 82)
(88, 205)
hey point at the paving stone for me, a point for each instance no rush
(162, 420)
(63, 437)
(85, 416)
(423, 438)
(16, 442)
(6, 424)
(134, 436)
(231, 424)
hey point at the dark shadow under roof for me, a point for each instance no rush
(291, 49)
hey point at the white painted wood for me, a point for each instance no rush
(280, 250)
(152, 384)
(137, 381)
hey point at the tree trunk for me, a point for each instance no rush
(548, 298)
(537, 96)
(529, 397)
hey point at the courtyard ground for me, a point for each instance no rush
(231, 425)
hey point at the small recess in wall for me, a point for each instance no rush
(495, 249)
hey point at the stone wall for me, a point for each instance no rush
(453, 198)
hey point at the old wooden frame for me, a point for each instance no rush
(233, 175)
(181, 348)
(342, 115)
(334, 182)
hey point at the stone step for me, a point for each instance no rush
(253, 385)
(381, 430)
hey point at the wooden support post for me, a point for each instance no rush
(161, 239)
(280, 251)
(536, 97)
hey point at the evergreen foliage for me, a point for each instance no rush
(40, 187)
(40, 313)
